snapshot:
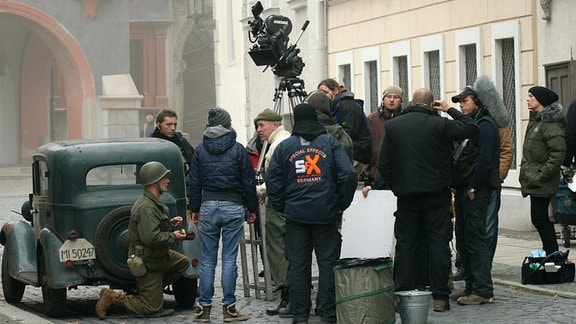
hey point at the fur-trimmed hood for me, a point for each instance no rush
(552, 113)
(492, 100)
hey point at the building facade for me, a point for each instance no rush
(93, 68)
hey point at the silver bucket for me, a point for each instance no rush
(413, 306)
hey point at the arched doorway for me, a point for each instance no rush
(199, 81)
(47, 86)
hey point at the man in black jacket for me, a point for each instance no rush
(416, 163)
(166, 123)
(349, 113)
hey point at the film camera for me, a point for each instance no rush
(270, 39)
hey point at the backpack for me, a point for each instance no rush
(363, 142)
(338, 133)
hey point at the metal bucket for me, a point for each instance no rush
(413, 306)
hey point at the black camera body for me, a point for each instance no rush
(270, 38)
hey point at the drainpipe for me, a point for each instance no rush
(321, 68)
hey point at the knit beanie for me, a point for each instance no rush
(544, 96)
(219, 116)
(320, 101)
(268, 115)
(395, 90)
(303, 112)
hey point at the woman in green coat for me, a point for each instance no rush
(543, 153)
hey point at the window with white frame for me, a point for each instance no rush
(400, 66)
(371, 78)
(432, 72)
(470, 63)
(345, 76)
(432, 63)
(506, 58)
(468, 56)
(345, 71)
(371, 97)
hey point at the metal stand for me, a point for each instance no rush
(294, 88)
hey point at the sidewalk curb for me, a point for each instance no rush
(534, 289)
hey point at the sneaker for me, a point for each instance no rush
(456, 295)
(232, 315)
(202, 314)
(475, 300)
(441, 305)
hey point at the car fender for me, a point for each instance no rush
(191, 249)
(17, 236)
(58, 275)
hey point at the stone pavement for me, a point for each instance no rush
(515, 303)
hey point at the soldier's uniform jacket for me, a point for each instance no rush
(150, 227)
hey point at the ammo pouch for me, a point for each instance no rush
(136, 263)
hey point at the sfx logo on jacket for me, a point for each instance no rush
(306, 164)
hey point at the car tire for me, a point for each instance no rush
(54, 299)
(185, 292)
(112, 242)
(12, 288)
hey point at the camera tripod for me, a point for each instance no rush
(294, 89)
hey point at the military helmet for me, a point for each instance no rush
(152, 172)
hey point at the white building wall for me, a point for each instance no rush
(556, 36)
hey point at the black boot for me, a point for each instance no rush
(284, 298)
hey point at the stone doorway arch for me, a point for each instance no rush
(44, 43)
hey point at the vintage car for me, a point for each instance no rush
(75, 227)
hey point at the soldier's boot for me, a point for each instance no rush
(109, 298)
(202, 314)
(232, 315)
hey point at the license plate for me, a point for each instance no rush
(77, 250)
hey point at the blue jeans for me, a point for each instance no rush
(227, 219)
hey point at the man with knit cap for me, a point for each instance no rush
(269, 128)
(544, 152)
(222, 186)
(390, 107)
(309, 179)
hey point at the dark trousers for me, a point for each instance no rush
(301, 239)
(471, 240)
(423, 218)
(540, 220)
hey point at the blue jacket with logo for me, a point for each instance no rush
(310, 178)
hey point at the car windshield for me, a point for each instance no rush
(112, 175)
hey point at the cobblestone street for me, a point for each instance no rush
(514, 303)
